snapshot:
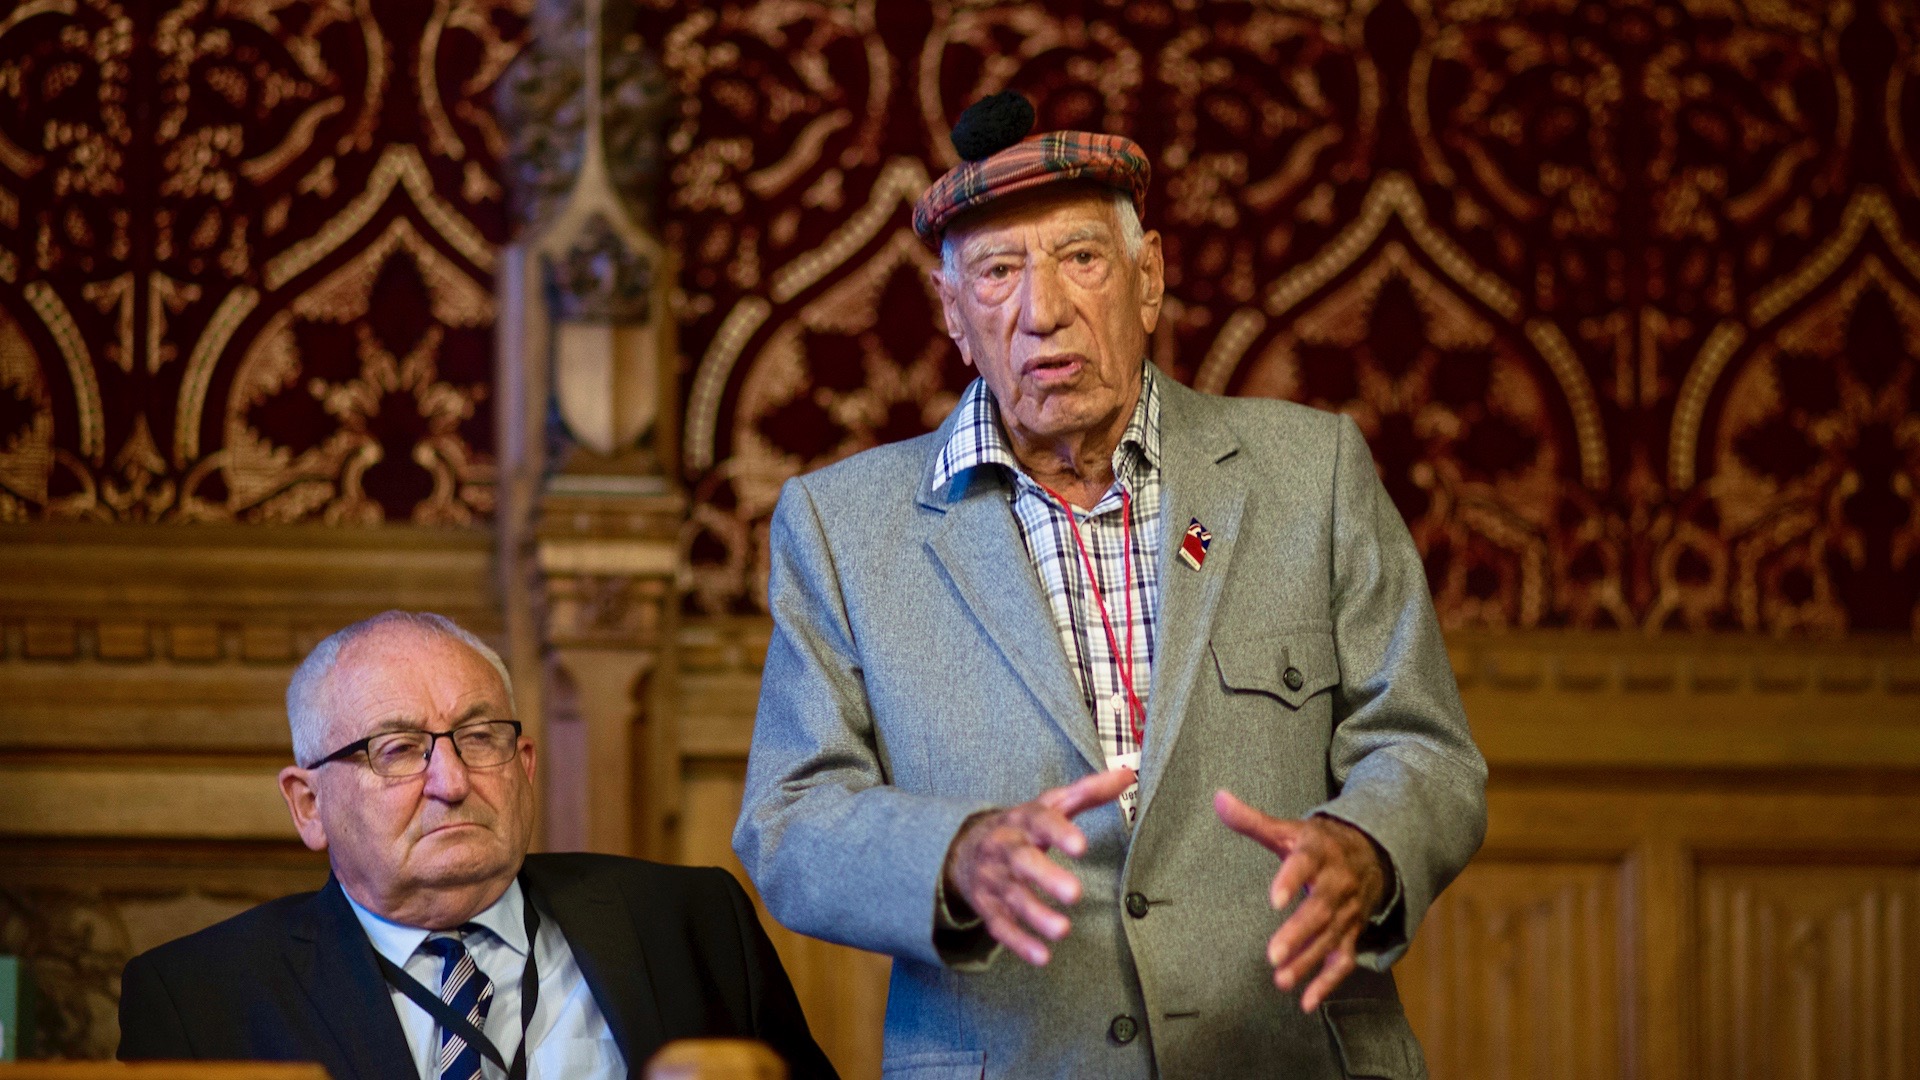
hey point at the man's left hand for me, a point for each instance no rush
(1340, 870)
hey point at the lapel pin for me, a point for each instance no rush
(1194, 545)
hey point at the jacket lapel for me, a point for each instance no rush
(978, 545)
(1200, 482)
(600, 930)
(332, 961)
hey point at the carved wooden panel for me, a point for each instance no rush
(152, 639)
(1710, 701)
(77, 912)
(1809, 971)
(842, 990)
(1516, 973)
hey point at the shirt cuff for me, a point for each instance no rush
(1391, 900)
(944, 918)
(1387, 906)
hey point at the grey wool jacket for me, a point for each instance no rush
(916, 677)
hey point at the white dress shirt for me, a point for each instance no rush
(569, 1034)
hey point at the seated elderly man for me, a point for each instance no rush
(1091, 576)
(439, 949)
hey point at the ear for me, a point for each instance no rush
(1153, 280)
(303, 802)
(950, 312)
(527, 757)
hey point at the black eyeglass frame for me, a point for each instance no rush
(433, 740)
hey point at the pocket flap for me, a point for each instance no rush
(1374, 1039)
(1292, 665)
(935, 1065)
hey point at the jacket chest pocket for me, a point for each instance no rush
(1289, 665)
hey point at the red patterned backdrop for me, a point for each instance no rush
(245, 254)
(1626, 295)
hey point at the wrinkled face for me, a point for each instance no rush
(391, 839)
(1049, 306)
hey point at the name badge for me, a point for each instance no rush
(1129, 799)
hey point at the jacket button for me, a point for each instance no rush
(1123, 1029)
(1136, 905)
(1293, 678)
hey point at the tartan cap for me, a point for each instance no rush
(1003, 159)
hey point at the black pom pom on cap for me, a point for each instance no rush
(992, 124)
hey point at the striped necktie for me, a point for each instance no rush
(467, 990)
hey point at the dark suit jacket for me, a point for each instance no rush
(669, 952)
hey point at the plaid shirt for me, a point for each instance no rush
(978, 440)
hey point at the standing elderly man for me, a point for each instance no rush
(1094, 594)
(439, 949)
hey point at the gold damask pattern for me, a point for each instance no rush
(199, 202)
(1622, 294)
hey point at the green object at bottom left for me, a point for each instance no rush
(16, 1009)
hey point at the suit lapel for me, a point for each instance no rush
(332, 960)
(1200, 482)
(599, 927)
(978, 545)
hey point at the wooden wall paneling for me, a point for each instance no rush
(1660, 1027)
(77, 910)
(610, 634)
(1809, 970)
(1566, 700)
(1685, 830)
(230, 576)
(1516, 972)
(842, 990)
(143, 672)
(604, 683)
(1667, 747)
(158, 701)
(211, 799)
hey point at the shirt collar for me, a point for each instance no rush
(979, 439)
(505, 918)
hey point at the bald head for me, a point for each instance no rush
(435, 842)
(307, 693)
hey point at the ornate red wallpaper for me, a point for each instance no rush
(245, 254)
(1625, 295)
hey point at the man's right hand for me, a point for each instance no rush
(999, 860)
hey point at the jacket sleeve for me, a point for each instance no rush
(150, 1025)
(835, 849)
(777, 1018)
(1403, 761)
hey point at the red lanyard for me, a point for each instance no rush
(1136, 712)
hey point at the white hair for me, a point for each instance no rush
(305, 714)
(1132, 235)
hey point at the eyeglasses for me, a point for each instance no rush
(406, 753)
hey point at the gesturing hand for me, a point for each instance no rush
(999, 858)
(1342, 874)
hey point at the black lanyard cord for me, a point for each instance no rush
(449, 1020)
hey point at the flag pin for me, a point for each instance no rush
(1194, 545)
